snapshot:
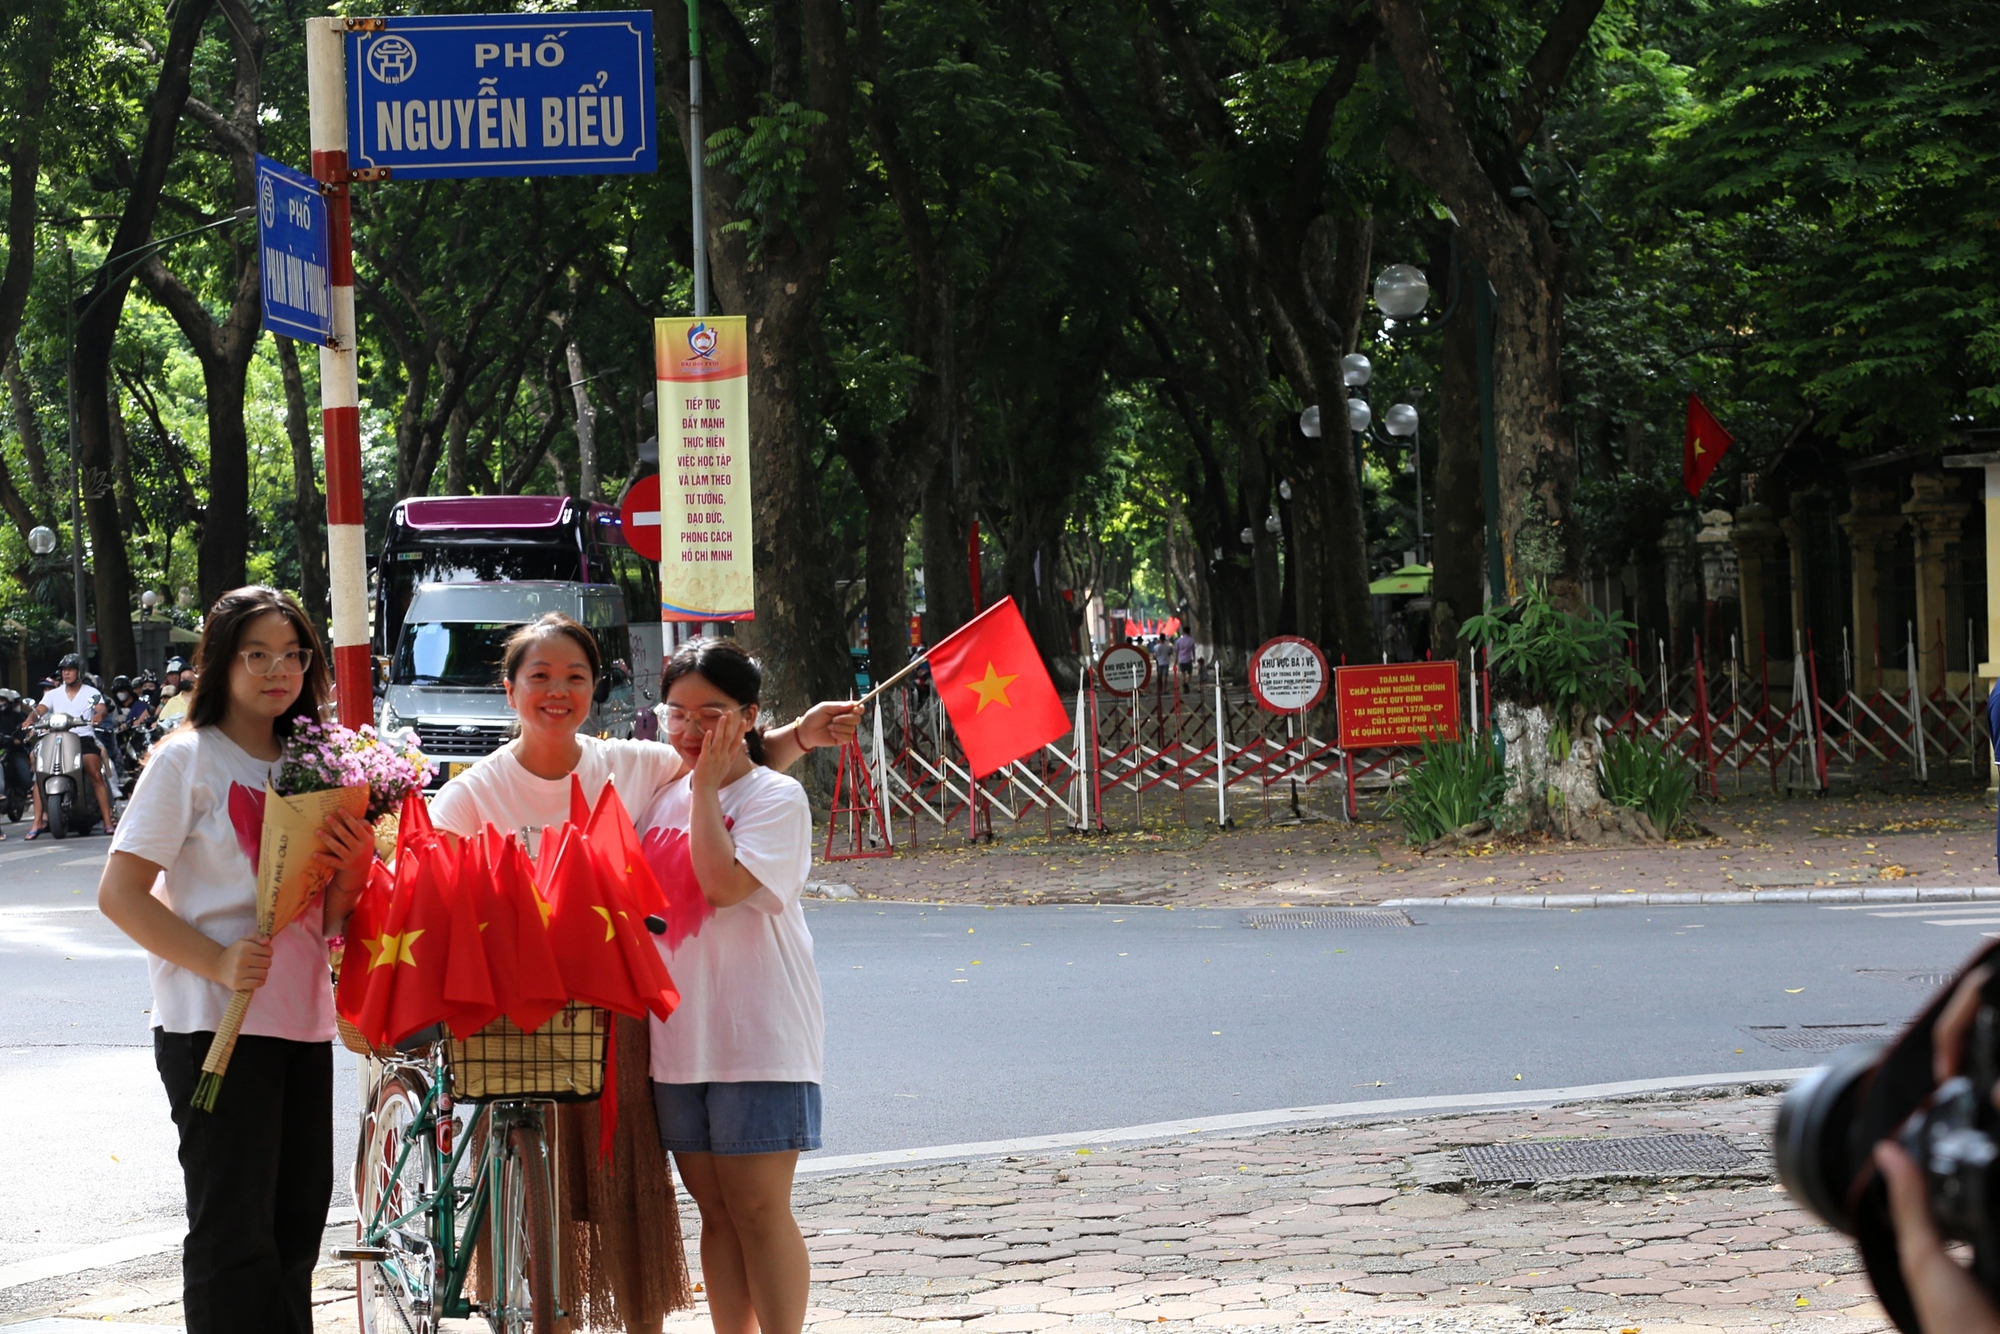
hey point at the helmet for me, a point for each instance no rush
(121, 683)
(149, 677)
(69, 661)
(177, 664)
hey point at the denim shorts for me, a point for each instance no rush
(754, 1116)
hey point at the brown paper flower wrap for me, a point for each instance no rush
(287, 882)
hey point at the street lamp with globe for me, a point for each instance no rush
(42, 540)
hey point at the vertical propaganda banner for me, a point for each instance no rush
(702, 367)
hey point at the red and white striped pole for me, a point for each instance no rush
(340, 414)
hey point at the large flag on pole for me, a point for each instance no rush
(999, 696)
(1704, 447)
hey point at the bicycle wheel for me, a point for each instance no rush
(394, 1293)
(524, 1286)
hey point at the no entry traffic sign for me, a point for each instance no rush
(639, 517)
(431, 95)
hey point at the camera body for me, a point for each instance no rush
(1830, 1122)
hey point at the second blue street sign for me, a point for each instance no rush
(502, 95)
(292, 252)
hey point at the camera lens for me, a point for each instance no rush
(1818, 1156)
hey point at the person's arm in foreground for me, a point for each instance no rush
(832, 723)
(125, 895)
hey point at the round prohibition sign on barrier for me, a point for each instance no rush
(1288, 674)
(1124, 669)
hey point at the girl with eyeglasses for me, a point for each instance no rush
(181, 881)
(632, 1270)
(737, 1067)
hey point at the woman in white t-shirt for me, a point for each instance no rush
(550, 669)
(182, 882)
(736, 1069)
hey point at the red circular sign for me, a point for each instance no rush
(639, 517)
(1124, 669)
(1288, 674)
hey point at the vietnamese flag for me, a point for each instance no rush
(672, 866)
(585, 923)
(406, 957)
(493, 917)
(612, 837)
(468, 979)
(990, 676)
(536, 979)
(364, 920)
(1704, 447)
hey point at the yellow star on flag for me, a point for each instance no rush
(541, 903)
(992, 689)
(390, 950)
(610, 931)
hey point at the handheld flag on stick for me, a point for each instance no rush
(1704, 447)
(1000, 699)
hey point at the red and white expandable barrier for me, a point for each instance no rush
(340, 414)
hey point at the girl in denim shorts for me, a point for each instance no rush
(736, 1070)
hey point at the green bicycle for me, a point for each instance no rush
(457, 1148)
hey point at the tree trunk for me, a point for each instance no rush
(888, 590)
(22, 158)
(28, 425)
(586, 423)
(97, 329)
(1458, 530)
(223, 558)
(1506, 231)
(947, 527)
(308, 504)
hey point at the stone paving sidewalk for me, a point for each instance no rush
(1941, 837)
(1332, 1228)
(1339, 1228)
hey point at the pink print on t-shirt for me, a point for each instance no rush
(246, 813)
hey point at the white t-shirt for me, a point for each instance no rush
(82, 705)
(750, 1002)
(179, 817)
(499, 791)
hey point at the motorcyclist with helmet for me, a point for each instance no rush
(82, 701)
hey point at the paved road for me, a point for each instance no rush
(963, 1024)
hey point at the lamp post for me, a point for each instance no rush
(137, 255)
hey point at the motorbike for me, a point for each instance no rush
(68, 803)
(130, 742)
(17, 771)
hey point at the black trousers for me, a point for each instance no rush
(259, 1173)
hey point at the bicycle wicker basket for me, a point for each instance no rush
(562, 1061)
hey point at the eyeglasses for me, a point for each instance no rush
(259, 663)
(678, 718)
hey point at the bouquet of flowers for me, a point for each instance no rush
(323, 768)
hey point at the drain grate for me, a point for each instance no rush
(1652, 1155)
(1923, 979)
(1817, 1037)
(1294, 918)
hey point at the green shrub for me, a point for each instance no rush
(1644, 774)
(1545, 655)
(1453, 784)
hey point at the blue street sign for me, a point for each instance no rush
(502, 95)
(292, 251)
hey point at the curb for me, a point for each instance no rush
(1723, 898)
(1283, 1117)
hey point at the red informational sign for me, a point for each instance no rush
(639, 517)
(916, 632)
(1288, 674)
(1397, 704)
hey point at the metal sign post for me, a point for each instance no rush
(415, 97)
(339, 388)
